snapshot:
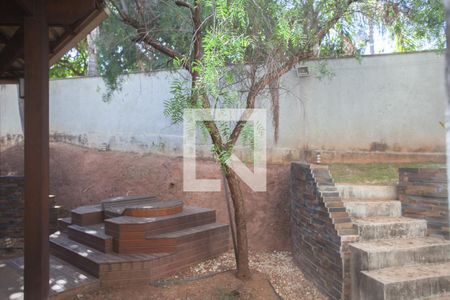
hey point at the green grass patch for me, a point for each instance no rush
(376, 174)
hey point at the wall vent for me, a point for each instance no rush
(302, 71)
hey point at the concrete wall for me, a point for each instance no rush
(10, 125)
(394, 99)
(395, 102)
(132, 120)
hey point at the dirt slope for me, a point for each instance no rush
(81, 176)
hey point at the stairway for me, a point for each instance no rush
(134, 240)
(394, 258)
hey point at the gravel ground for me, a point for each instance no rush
(286, 278)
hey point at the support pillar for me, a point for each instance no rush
(36, 45)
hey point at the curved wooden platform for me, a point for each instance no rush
(114, 207)
(154, 209)
(139, 238)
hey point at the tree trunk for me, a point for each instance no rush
(92, 53)
(275, 96)
(243, 269)
(230, 208)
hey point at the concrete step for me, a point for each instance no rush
(384, 208)
(397, 252)
(357, 191)
(374, 255)
(331, 199)
(381, 228)
(93, 236)
(346, 232)
(445, 296)
(406, 283)
(321, 172)
(336, 209)
(331, 194)
(327, 188)
(324, 181)
(330, 204)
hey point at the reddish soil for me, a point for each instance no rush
(80, 176)
(221, 286)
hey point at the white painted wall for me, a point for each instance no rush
(132, 120)
(10, 125)
(394, 99)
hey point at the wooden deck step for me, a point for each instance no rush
(122, 269)
(87, 215)
(114, 207)
(154, 209)
(93, 236)
(173, 241)
(133, 228)
(91, 260)
(63, 223)
(189, 232)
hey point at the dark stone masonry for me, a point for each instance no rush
(424, 195)
(321, 230)
(11, 210)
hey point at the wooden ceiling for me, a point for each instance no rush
(69, 22)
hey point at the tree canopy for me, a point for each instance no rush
(73, 63)
(409, 25)
(412, 25)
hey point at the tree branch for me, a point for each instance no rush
(269, 77)
(146, 38)
(256, 88)
(197, 56)
(185, 4)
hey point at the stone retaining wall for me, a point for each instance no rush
(424, 195)
(321, 230)
(11, 210)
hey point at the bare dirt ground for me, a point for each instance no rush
(223, 286)
(80, 176)
(284, 276)
(275, 276)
